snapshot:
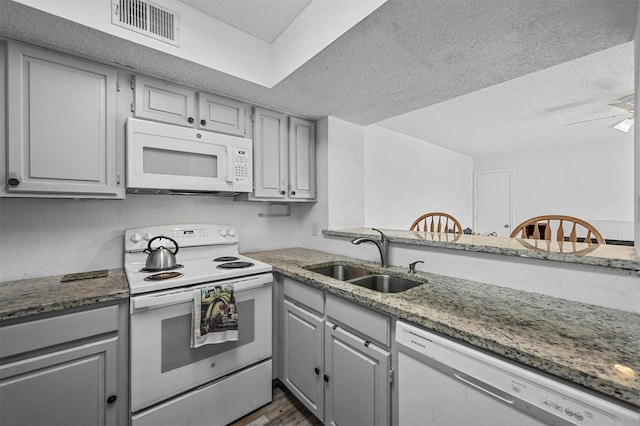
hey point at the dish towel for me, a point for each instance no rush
(214, 318)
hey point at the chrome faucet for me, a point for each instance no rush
(383, 246)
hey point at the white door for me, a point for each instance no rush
(493, 210)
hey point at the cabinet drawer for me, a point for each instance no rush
(304, 294)
(357, 317)
(38, 334)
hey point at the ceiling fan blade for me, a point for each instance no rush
(594, 119)
(626, 102)
(624, 125)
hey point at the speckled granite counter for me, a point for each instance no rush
(585, 344)
(612, 256)
(22, 298)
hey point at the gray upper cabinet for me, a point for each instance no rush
(170, 103)
(61, 127)
(157, 100)
(221, 114)
(302, 159)
(284, 158)
(270, 155)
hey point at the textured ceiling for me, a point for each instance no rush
(265, 19)
(405, 56)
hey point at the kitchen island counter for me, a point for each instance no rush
(589, 345)
(20, 299)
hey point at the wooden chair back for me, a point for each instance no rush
(567, 228)
(436, 222)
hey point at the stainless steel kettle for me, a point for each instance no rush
(161, 258)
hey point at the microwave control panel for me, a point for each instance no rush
(242, 166)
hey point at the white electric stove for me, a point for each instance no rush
(171, 382)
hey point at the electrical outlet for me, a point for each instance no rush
(314, 229)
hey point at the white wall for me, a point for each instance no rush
(406, 177)
(592, 181)
(340, 181)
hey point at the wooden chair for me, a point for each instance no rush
(437, 222)
(541, 228)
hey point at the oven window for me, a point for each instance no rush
(179, 163)
(176, 338)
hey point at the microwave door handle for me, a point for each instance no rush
(229, 164)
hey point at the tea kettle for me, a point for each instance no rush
(160, 258)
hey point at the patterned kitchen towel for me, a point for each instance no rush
(214, 318)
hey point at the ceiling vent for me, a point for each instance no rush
(147, 18)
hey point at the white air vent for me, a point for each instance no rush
(147, 18)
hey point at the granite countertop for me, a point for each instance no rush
(596, 347)
(608, 255)
(22, 298)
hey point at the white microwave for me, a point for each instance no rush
(165, 158)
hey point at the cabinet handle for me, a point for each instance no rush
(293, 192)
(366, 344)
(203, 122)
(282, 192)
(190, 120)
(14, 182)
(317, 371)
(326, 378)
(111, 399)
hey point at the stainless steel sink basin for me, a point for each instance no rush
(365, 278)
(385, 283)
(341, 272)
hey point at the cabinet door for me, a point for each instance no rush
(220, 114)
(357, 384)
(60, 125)
(157, 100)
(302, 159)
(69, 387)
(270, 155)
(302, 357)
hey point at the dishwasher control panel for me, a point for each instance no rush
(519, 387)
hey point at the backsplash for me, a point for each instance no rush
(42, 237)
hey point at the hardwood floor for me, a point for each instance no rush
(284, 409)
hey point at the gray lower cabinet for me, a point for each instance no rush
(61, 127)
(303, 358)
(356, 379)
(67, 370)
(330, 362)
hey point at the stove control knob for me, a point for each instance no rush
(148, 236)
(223, 232)
(136, 238)
(232, 232)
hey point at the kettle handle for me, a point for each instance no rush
(159, 237)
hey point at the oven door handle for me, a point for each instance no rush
(186, 295)
(152, 301)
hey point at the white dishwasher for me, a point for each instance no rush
(444, 383)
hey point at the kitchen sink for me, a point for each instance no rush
(341, 272)
(385, 283)
(365, 278)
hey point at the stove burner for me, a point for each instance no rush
(163, 276)
(170, 268)
(234, 265)
(225, 259)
